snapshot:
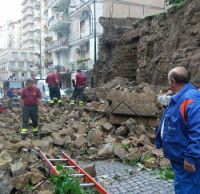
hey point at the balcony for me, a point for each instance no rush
(13, 68)
(27, 13)
(58, 45)
(37, 5)
(27, 30)
(48, 37)
(36, 28)
(78, 38)
(27, 22)
(26, 6)
(28, 38)
(36, 15)
(58, 4)
(24, 2)
(58, 22)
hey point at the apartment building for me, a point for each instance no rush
(59, 26)
(16, 64)
(76, 27)
(31, 31)
(3, 36)
(14, 34)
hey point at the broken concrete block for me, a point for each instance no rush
(35, 176)
(19, 182)
(90, 169)
(106, 151)
(151, 163)
(120, 152)
(122, 131)
(80, 141)
(110, 139)
(107, 126)
(95, 136)
(17, 168)
(130, 124)
(134, 154)
(58, 141)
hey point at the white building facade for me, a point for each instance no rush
(16, 64)
(31, 35)
(14, 34)
(59, 27)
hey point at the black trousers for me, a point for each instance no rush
(30, 112)
(54, 92)
(78, 93)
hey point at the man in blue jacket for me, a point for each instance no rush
(179, 132)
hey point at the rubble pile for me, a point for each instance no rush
(145, 50)
(85, 133)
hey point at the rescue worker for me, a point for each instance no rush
(79, 84)
(179, 132)
(30, 99)
(10, 95)
(53, 81)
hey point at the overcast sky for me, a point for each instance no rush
(10, 10)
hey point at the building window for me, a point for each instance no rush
(15, 54)
(12, 64)
(29, 65)
(21, 65)
(24, 55)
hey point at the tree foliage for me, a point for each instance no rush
(175, 2)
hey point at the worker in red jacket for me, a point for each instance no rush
(79, 84)
(53, 80)
(30, 99)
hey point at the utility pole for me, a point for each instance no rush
(95, 34)
(41, 66)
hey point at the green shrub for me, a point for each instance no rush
(166, 173)
(64, 183)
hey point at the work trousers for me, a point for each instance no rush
(54, 92)
(186, 182)
(78, 93)
(30, 112)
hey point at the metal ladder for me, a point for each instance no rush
(89, 181)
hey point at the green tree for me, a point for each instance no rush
(175, 2)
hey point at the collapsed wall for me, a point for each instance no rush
(145, 50)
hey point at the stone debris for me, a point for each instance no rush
(85, 133)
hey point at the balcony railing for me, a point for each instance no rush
(27, 30)
(26, 6)
(29, 36)
(58, 45)
(27, 22)
(37, 15)
(57, 3)
(27, 13)
(13, 68)
(58, 21)
(36, 28)
(79, 37)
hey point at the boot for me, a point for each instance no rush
(23, 136)
(23, 133)
(35, 132)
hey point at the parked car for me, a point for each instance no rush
(44, 89)
(66, 92)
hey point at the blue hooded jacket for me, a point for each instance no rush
(181, 130)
